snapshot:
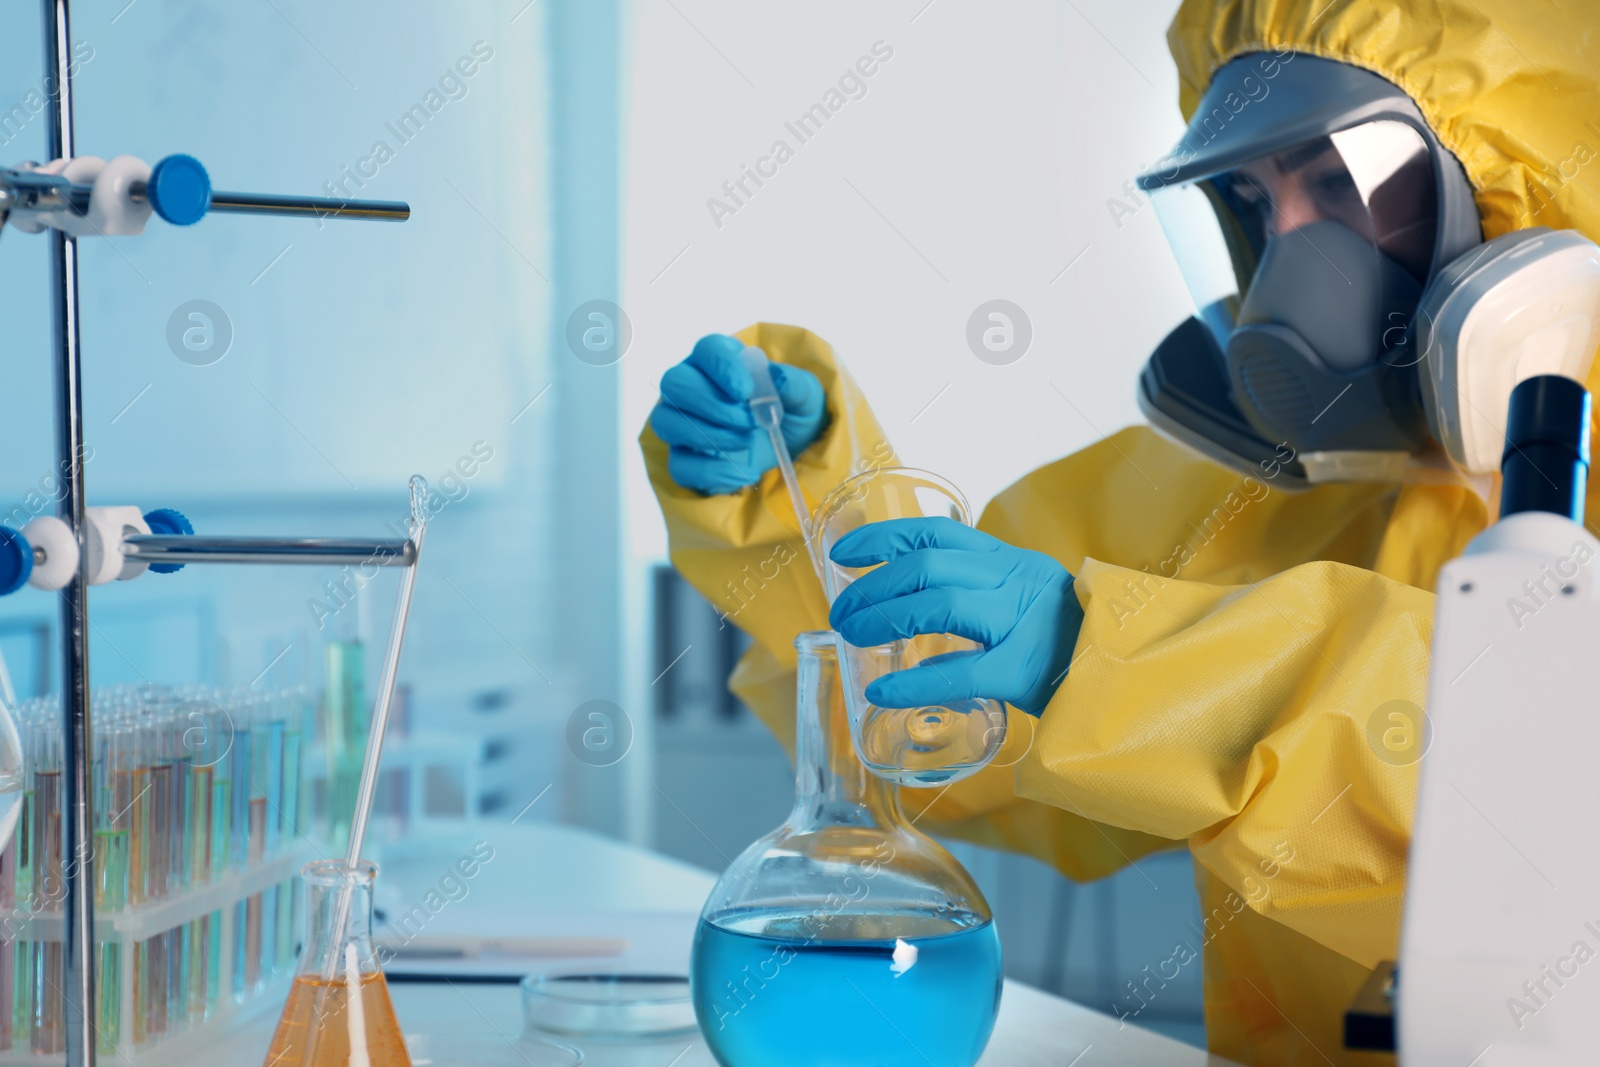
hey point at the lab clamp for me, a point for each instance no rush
(83, 546)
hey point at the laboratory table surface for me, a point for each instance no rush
(548, 885)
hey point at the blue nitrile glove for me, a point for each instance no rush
(939, 576)
(704, 417)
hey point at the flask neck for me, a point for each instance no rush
(831, 784)
(338, 919)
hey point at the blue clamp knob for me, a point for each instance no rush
(16, 561)
(170, 523)
(180, 190)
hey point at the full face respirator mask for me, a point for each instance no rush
(1349, 310)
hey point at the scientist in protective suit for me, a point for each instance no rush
(1215, 617)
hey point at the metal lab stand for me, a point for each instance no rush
(25, 190)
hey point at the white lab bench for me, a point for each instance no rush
(549, 881)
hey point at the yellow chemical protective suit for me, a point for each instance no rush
(1238, 639)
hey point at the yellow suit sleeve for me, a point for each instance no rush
(743, 552)
(1257, 721)
(1242, 652)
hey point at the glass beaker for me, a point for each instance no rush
(846, 935)
(338, 1013)
(922, 746)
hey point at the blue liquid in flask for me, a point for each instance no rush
(775, 989)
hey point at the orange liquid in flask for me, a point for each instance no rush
(320, 1026)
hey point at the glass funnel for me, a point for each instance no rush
(922, 746)
(846, 935)
(338, 1013)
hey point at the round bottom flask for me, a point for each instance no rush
(846, 936)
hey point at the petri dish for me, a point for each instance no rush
(623, 1005)
(489, 1050)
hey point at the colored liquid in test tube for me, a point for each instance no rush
(158, 868)
(133, 798)
(220, 847)
(8, 970)
(114, 747)
(266, 784)
(21, 953)
(242, 756)
(347, 717)
(292, 711)
(207, 738)
(179, 805)
(49, 1031)
(276, 732)
(295, 709)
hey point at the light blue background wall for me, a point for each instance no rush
(361, 352)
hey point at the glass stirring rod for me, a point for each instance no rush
(767, 409)
(417, 527)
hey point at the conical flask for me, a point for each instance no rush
(338, 1013)
(846, 936)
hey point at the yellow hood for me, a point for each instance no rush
(1511, 87)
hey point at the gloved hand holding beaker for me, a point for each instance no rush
(704, 417)
(941, 576)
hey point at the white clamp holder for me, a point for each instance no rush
(55, 553)
(106, 527)
(113, 211)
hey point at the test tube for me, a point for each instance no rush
(9, 859)
(177, 977)
(255, 836)
(181, 739)
(213, 941)
(159, 869)
(240, 840)
(158, 828)
(345, 730)
(242, 756)
(110, 773)
(8, 904)
(238, 986)
(206, 742)
(199, 956)
(271, 727)
(133, 797)
(178, 734)
(141, 991)
(266, 806)
(49, 1034)
(21, 1006)
(295, 712)
(203, 741)
(220, 846)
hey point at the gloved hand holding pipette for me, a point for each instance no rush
(704, 416)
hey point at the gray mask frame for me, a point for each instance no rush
(1287, 383)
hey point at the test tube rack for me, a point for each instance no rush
(122, 196)
(128, 944)
(198, 804)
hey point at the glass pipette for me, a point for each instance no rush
(380, 718)
(766, 407)
(391, 667)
